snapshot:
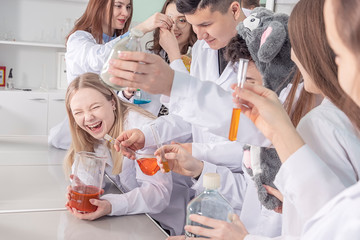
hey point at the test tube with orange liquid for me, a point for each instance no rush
(158, 143)
(235, 118)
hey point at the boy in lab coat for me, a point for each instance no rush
(221, 154)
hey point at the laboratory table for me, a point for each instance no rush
(32, 199)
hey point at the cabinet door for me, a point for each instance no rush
(23, 113)
(57, 110)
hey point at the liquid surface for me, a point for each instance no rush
(80, 196)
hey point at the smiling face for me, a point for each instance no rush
(182, 28)
(94, 114)
(216, 28)
(346, 60)
(121, 14)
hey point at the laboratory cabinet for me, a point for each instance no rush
(30, 113)
(32, 34)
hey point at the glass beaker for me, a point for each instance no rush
(128, 43)
(141, 97)
(87, 178)
(147, 163)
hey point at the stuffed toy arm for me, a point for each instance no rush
(263, 166)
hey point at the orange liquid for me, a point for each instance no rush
(80, 196)
(148, 165)
(234, 124)
(166, 166)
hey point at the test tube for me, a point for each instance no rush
(158, 144)
(235, 118)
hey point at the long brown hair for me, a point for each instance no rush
(154, 44)
(309, 43)
(82, 140)
(93, 18)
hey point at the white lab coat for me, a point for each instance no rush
(339, 219)
(224, 153)
(158, 195)
(84, 54)
(331, 135)
(319, 170)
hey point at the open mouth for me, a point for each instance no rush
(122, 21)
(94, 127)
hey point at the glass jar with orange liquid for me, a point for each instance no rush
(86, 181)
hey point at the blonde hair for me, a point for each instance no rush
(82, 140)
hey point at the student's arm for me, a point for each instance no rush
(151, 196)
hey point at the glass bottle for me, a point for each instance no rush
(10, 83)
(129, 43)
(210, 203)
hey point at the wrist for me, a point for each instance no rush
(142, 28)
(287, 142)
(197, 172)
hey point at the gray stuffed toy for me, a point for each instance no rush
(265, 35)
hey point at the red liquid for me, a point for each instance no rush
(234, 124)
(80, 196)
(148, 165)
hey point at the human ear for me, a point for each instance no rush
(236, 11)
(113, 104)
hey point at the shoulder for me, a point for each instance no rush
(327, 118)
(80, 36)
(135, 119)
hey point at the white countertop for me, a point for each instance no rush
(32, 199)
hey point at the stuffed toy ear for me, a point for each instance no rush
(272, 41)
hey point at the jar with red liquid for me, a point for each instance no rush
(87, 179)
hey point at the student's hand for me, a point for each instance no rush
(263, 107)
(221, 230)
(187, 147)
(180, 161)
(170, 44)
(103, 208)
(157, 20)
(130, 141)
(182, 237)
(128, 92)
(146, 71)
(276, 193)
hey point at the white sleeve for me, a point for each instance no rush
(227, 154)
(171, 128)
(206, 104)
(152, 195)
(255, 237)
(307, 182)
(178, 65)
(233, 185)
(83, 54)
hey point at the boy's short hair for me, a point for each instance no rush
(250, 4)
(190, 6)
